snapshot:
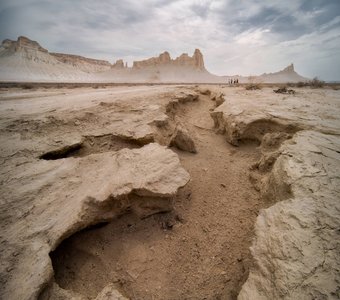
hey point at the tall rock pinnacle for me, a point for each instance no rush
(198, 59)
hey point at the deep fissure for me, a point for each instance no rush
(90, 145)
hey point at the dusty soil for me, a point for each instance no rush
(199, 251)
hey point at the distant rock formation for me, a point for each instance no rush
(289, 69)
(31, 50)
(26, 60)
(23, 43)
(162, 59)
(119, 64)
(288, 74)
(83, 63)
(196, 61)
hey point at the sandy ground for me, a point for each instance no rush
(199, 251)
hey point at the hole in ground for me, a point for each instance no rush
(118, 252)
(90, 145)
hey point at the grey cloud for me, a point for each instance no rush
(201, 9)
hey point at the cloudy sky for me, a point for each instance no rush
(236, 36)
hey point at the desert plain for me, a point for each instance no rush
(169, 192)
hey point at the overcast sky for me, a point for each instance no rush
(235, 36)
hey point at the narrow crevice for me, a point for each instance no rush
(66, 151)
(170, 131)
(92, 144)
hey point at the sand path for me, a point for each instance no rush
(199, 251)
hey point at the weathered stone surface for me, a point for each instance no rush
(88, 173)
(296, 248)
(242, 117)
(182, 140)
(46, 201)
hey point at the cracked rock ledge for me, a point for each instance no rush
(296, 249)
(49, 193)
(56, 198)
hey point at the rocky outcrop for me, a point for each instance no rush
(55, 184)
(25, 48)
(164, 59)
(25, 43)
(289, 69)
(22, 43)
(240, 118)
(295, 249)
(53, 199)
(288, 74)
(296, 246)
(119, 64)
(25, 59)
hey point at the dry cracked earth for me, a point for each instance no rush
(169, 192)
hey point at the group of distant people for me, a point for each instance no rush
(233, 81)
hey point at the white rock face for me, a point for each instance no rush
(296, 249)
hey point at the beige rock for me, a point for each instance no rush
(296, 243)
(182, 140)
(163, 58)
(242, 117)
(184, 60)
(45, 201)
(296, 248)
(119, 64)
(50, 200)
